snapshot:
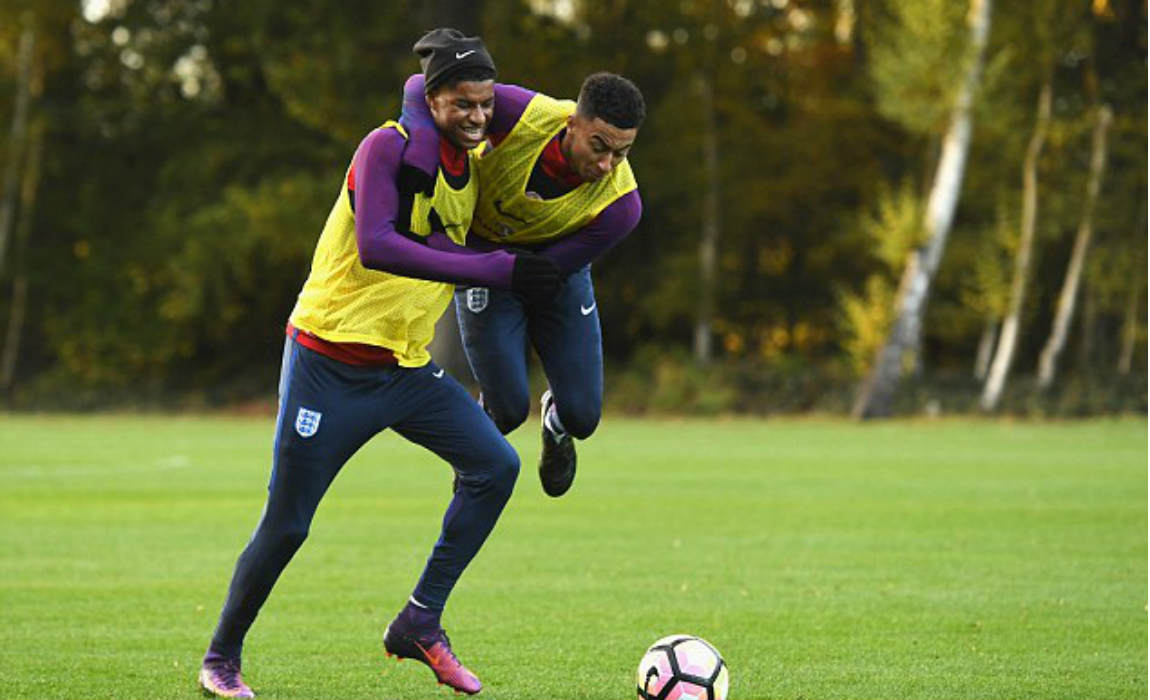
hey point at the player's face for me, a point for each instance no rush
(463, 111)
(593, 147)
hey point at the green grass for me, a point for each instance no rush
(954, 559)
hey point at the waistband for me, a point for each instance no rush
(360, 354)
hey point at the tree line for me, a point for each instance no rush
(866, 206)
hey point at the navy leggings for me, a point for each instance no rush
(328, 410)
(495, 326)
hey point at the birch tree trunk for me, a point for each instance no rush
(17, 138)
(985, 349)
(877, 392)
(845, 19)
(1008, 339)
(18, 309)
(1130, 330)
(709, 238)
(1067, 299)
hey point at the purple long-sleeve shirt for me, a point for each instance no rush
(382, 247)
(570, 252)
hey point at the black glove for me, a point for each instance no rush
(534, 277)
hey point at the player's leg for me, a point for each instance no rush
(447, 421)
(321, 424)
(493, 326)
(567, 337)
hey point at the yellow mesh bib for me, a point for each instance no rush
(344, 302)
(506, 214)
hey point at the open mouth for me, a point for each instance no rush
(471, 134)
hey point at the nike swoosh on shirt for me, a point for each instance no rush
(465, 54)
(438, 374)
(586, 310)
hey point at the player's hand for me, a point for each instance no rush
(534, 277)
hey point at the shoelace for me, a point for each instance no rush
(227, 673)
(441, 638)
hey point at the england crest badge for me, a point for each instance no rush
(476, 299)
(307, 422)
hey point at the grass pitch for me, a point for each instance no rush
(824, 559)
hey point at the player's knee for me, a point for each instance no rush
(505, 470)
(494, 474)
(580, 424)
(508, 418)
(289, 538)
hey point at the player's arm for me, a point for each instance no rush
(377, 231)
(423, 139)
(603, 233)
(383, 247)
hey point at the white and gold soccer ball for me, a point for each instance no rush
(682, 667)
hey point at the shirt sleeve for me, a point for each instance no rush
(422, 151)
(603, 233)
(381, 244)
(510, 103)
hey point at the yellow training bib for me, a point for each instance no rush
(344, 302)
(505, 214)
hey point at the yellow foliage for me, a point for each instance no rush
(866, 320)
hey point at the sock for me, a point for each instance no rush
(420, 616)
(554, 424)
(214, 657)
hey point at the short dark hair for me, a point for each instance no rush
(463, 75)
(612, 98)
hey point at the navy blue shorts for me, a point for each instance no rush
(328, 410)
(496, 326)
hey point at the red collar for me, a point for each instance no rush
(555, 165)
(451, 157)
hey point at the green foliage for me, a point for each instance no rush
(347, 78)
(267, 236)
(672, 383)
(894, 228)
(663, 383)
(867, 319)
(917, 53)
(987, 290)
(192, 150)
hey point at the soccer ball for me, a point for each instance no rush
(682, 667)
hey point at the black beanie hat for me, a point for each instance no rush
(444, 52)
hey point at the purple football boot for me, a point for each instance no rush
(410, 637)
(221, 677)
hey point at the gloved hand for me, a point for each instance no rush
(534, 277)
